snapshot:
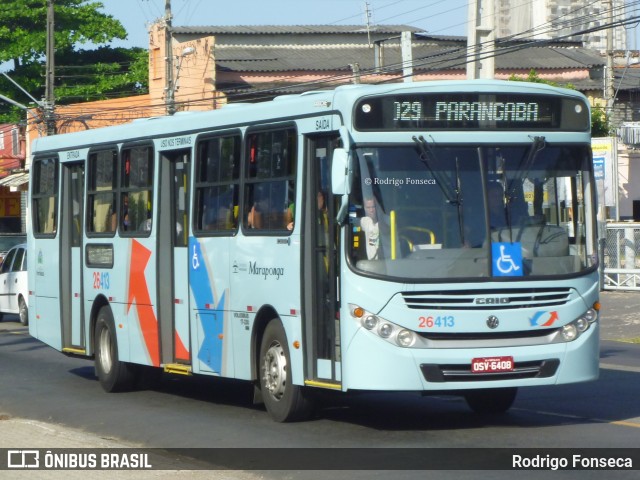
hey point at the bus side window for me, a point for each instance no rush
(136, 206)
(45, 196)
(217, 184)
(269, 195)
(101, 192)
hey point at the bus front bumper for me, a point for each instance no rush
(370, 363)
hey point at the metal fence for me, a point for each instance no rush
(620, 257)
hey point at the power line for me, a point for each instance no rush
(433, 64)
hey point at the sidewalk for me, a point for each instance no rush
(17, 433)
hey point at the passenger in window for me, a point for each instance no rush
(323, 227)
(371, 229)
(289, 216)
(125, 212)
(323, 216)
(112, 220)
(253, 217)
(145, 226)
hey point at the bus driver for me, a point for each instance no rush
(370, 227)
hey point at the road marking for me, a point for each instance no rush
(630, 422)
(627, 423)
(621, 368)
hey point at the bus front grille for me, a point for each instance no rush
(462, 373)
(494, 299)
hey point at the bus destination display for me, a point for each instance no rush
(469, 111)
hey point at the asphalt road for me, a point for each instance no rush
(38, 384)
(620, 316)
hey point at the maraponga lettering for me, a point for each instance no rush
(254, 269)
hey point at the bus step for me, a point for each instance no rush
(74, 351)
(177, 368)
(325, 384)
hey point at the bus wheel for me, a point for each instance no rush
(23, 311)
(114, 375)
(284, 401)
(491, 401)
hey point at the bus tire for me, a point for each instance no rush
(284, 401)
(491, 401)
(114, 375)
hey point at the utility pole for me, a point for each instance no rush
(481, 39)
(49, 96)
(355, 69)
(168, 47)
(367, 18)
(407, 56)
(609, 87)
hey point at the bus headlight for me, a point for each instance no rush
(573, 330)
(582, 324)
(570, 332)
(590, 315)
(405, 338)
(369, 322)
(386, 330)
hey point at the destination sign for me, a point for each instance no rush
(472, 111)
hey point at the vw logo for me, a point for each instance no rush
(493, 322)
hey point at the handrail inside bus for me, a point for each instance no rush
(392, 219)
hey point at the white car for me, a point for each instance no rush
(14, 289)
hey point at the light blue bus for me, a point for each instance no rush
(422, 237)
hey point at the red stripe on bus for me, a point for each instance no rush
(181, 351)
(139, 292)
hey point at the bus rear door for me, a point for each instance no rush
(173, 260)
(71, 258)
(321, 281)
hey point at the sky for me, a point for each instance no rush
(438, 17)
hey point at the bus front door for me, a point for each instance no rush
(71, 228)
(173, 261)
(321, 272)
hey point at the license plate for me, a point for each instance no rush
(492, 364)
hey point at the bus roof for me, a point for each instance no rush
(235, 115)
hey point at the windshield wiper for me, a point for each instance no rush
(539, 143)
(525, 164)
(428, 156)
(452, 194)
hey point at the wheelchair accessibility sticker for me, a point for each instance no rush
(507, 259)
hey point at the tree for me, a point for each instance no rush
(81, 74)
(600, 126)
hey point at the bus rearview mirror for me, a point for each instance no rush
(340, 172)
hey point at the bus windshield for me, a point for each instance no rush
(423, 211)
